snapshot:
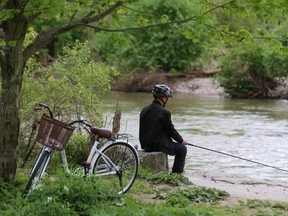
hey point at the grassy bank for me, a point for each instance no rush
(152, 194)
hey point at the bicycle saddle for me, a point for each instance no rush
(101, 132)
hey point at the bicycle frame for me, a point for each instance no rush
(99, 152)
(44, 148)
(92, 158)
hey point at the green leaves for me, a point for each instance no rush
(164, 18)
(74, 85)
(182, 197)
(47, 9)
(6, 14)
(162, 177)
(71, 195)
(162, 48)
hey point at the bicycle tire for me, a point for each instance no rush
(125, 157)
(38, 171)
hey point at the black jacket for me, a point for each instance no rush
(156, 129)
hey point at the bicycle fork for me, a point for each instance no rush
(47, 149)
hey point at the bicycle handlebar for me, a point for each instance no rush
(81, 121)
(101, 132)
(44, 106)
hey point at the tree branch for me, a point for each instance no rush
(219, 6)
(90, 19)
(45, 37)
(160, 24)
(136, 27)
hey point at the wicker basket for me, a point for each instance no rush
(53, 133)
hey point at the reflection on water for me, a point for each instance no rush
(252, 129)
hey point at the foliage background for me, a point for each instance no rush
(73, 86)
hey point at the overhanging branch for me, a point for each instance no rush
(45, 37)
(90, 19)
(159, 24)
(138, 27)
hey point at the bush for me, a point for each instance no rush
(72, 194)
(276, 64)
(63, 195)
(77, 149)
(250, 71)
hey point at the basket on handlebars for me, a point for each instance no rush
(54, 133)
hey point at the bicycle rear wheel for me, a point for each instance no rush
(121, 173)
(38, 171)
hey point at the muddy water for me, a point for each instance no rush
(253, 129)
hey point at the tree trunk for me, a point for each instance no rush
(12, 68)
(9, 124)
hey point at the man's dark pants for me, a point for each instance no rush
(180, 151)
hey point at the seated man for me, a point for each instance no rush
(157, 132)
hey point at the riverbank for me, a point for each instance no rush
(243, 189)
(206, 192)
(209, 86)
(199, 84)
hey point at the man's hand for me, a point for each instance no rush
(184, 142)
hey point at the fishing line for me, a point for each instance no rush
(238, 157)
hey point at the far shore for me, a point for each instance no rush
(197, 85)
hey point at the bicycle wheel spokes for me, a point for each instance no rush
(119, 170)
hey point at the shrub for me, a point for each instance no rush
(250, 71)
(77, 149)
(276, 64)
(71, 194)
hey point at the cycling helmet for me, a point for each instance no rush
(161, 90)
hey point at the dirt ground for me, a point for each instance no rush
(241, 190)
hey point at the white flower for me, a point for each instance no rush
(66, 189)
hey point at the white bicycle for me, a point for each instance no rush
(116, 161)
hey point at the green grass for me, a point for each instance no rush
(151, 194)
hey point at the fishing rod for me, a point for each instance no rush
(190, 144)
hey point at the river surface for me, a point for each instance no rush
(252, 129)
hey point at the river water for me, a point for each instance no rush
(252, 129)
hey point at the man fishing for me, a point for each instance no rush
(157, 132)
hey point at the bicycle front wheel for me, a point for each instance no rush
(38, 170)
(117, 166)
